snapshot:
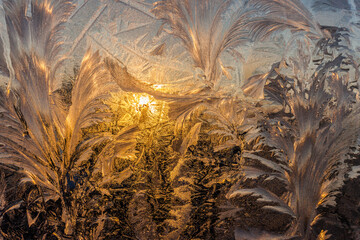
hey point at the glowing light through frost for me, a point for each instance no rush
(142, 101)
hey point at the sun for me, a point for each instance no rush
(144, 101)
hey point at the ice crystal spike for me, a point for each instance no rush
(28, 9)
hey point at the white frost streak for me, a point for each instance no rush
(354, 17)
(6, 43)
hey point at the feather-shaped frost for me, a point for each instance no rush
(201, 27)
(320, 136)
(268, 17)
(30, 135)
(37, 135)
(92, 85)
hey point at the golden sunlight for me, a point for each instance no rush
(42, 66)
(142, 101)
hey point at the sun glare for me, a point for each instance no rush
(42, 65)
(144, 101)
(157, 86)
